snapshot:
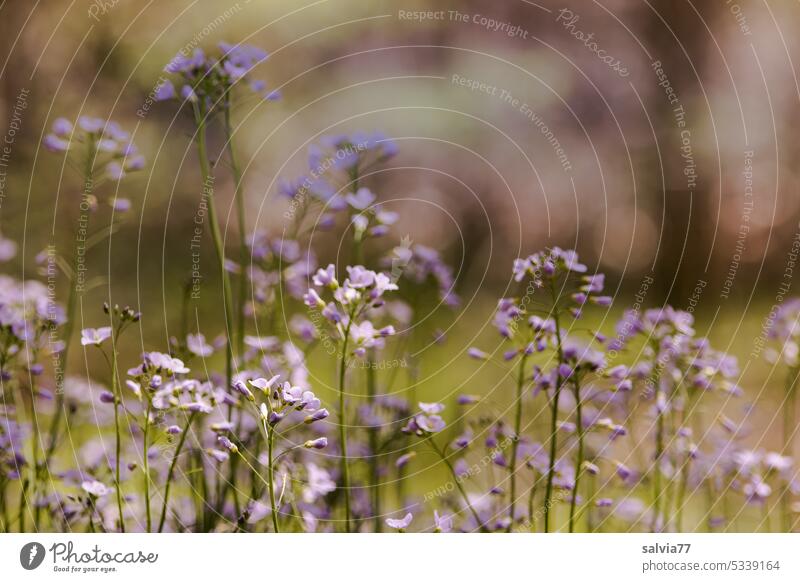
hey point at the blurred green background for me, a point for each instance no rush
(475, 177)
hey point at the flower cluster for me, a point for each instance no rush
(578, 433)
(426, 422)
(209, 78)
(419, 264)
(350, 307)
(104, 143)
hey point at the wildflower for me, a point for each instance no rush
(442, 524)
(477, 354)
(318, 443)
(399, 524)
(210, 78)
(403, 460)
(226, 443)
(319, 483)
(320, 414)
(242, 389)
(92, 336)
(467, 399)
(426, 423)
(196, 344)
(95, 488)
(109, 144)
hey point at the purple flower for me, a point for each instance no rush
(431, 408)
(242, 389)
(477, 354)
(466, 399)
(361, 200)
(318, 443)
(263, 384)
(197, 406)
(227, 443)
(217, 455)
(326, 277)
(442, 524)
(399, 524)
(92, 336)
(430, 423)
(55, 144)
(622, 470)
(320, 414)
(95, 488)
(62, 127)
(403, 460)
(196, 343)
(165, 91)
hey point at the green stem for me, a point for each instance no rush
(579, 462)
(216, 235)
(657, 470)
(35, 466)
(682, 486)
(374, 483)
(789, 426)
(171, 470)
(515, 443)
(146, 467)
(457, 481)
(72, 300)
(531, 505)
(271, 476)
(240, 215)
(548, 493)
(118, 440)
(345, 469)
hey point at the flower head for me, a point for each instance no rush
(400, 524)
(92, 336)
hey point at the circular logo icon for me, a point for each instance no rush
(31, 555)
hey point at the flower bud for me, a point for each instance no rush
(320, 414)
(226, 442)
(319, 443)
(242, 389)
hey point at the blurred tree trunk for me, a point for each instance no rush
(687, 235)
(18, 69)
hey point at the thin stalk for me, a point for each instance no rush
(23, 503)
(579, 462)
(657, 470)
(271, 476)
(146, 467)
(457, 481)
(171, 470)
(240, 216)
(548, 493)
(789, 427)
(531, 505)
(118, 440)
(3, 509)
(345, 469)
(35, 466)
(682, 486)
(374, 482)
(216, 235)
(72, 299)
(515, 443)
